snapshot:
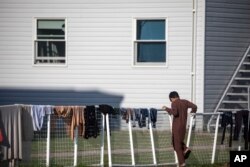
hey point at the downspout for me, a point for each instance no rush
(193, 69)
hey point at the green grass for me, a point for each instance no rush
(89, 150)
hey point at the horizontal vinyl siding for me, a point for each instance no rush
(99, 53)
(227, 37)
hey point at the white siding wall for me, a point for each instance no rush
(99, 49)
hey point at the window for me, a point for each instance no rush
(50, 43)
(150, 42)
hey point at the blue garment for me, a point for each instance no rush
(37, 113)
(143, 115)
(153, 116)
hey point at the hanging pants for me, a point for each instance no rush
(227, 119)
(239, 116)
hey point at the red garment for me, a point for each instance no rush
(1, 136)
(179, 110)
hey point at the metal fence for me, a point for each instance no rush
(122, 143)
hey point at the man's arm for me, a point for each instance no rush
(173, 110)
(192, 106)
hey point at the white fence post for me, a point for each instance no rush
(102, 141)
(131, 141)
(48, 142)
(190, 130)
(75, 145)
(215, 138)
(108, 140)
(152, 138)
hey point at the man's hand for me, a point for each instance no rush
(192, 114)
(164, 108)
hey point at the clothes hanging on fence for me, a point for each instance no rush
(27, 121)
(2, 131)
(227, 119)
(126, 113)
(65, 113)
(3, 138)
(78, 120)
(139, 115)
(133, 117)
(143, 116)
(153, 116)
(73, 117)
(38, 113)
(11, 119)
(28, 132)
(239, 116)
(106, 109)
(91, 124)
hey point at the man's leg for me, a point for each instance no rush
(179, 151)
(186, 150)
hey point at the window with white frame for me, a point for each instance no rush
(50, 42)
(150, 42)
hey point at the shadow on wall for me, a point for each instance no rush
(57, 97)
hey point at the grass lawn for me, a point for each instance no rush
(62, 150)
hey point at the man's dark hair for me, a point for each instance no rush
(173, 94)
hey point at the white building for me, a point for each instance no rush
(128, 53)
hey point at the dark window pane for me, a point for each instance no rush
(151, 29)
(51, 48)
(151, 52)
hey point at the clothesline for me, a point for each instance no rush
(97, 106)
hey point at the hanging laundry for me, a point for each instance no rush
(12, 146)
(153, 116)
(123, 112)
(27, 121)
(78, 120)
(1, 130)
(239, 116)
(227, 119)
(64, 112)
(73, 117)
(137, 114)
(37, 113)
(143, 116)
(91, 124)
(106, 109)
(27, 131)
(1, 136)
(126, 113)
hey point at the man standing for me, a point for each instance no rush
(179, 109)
